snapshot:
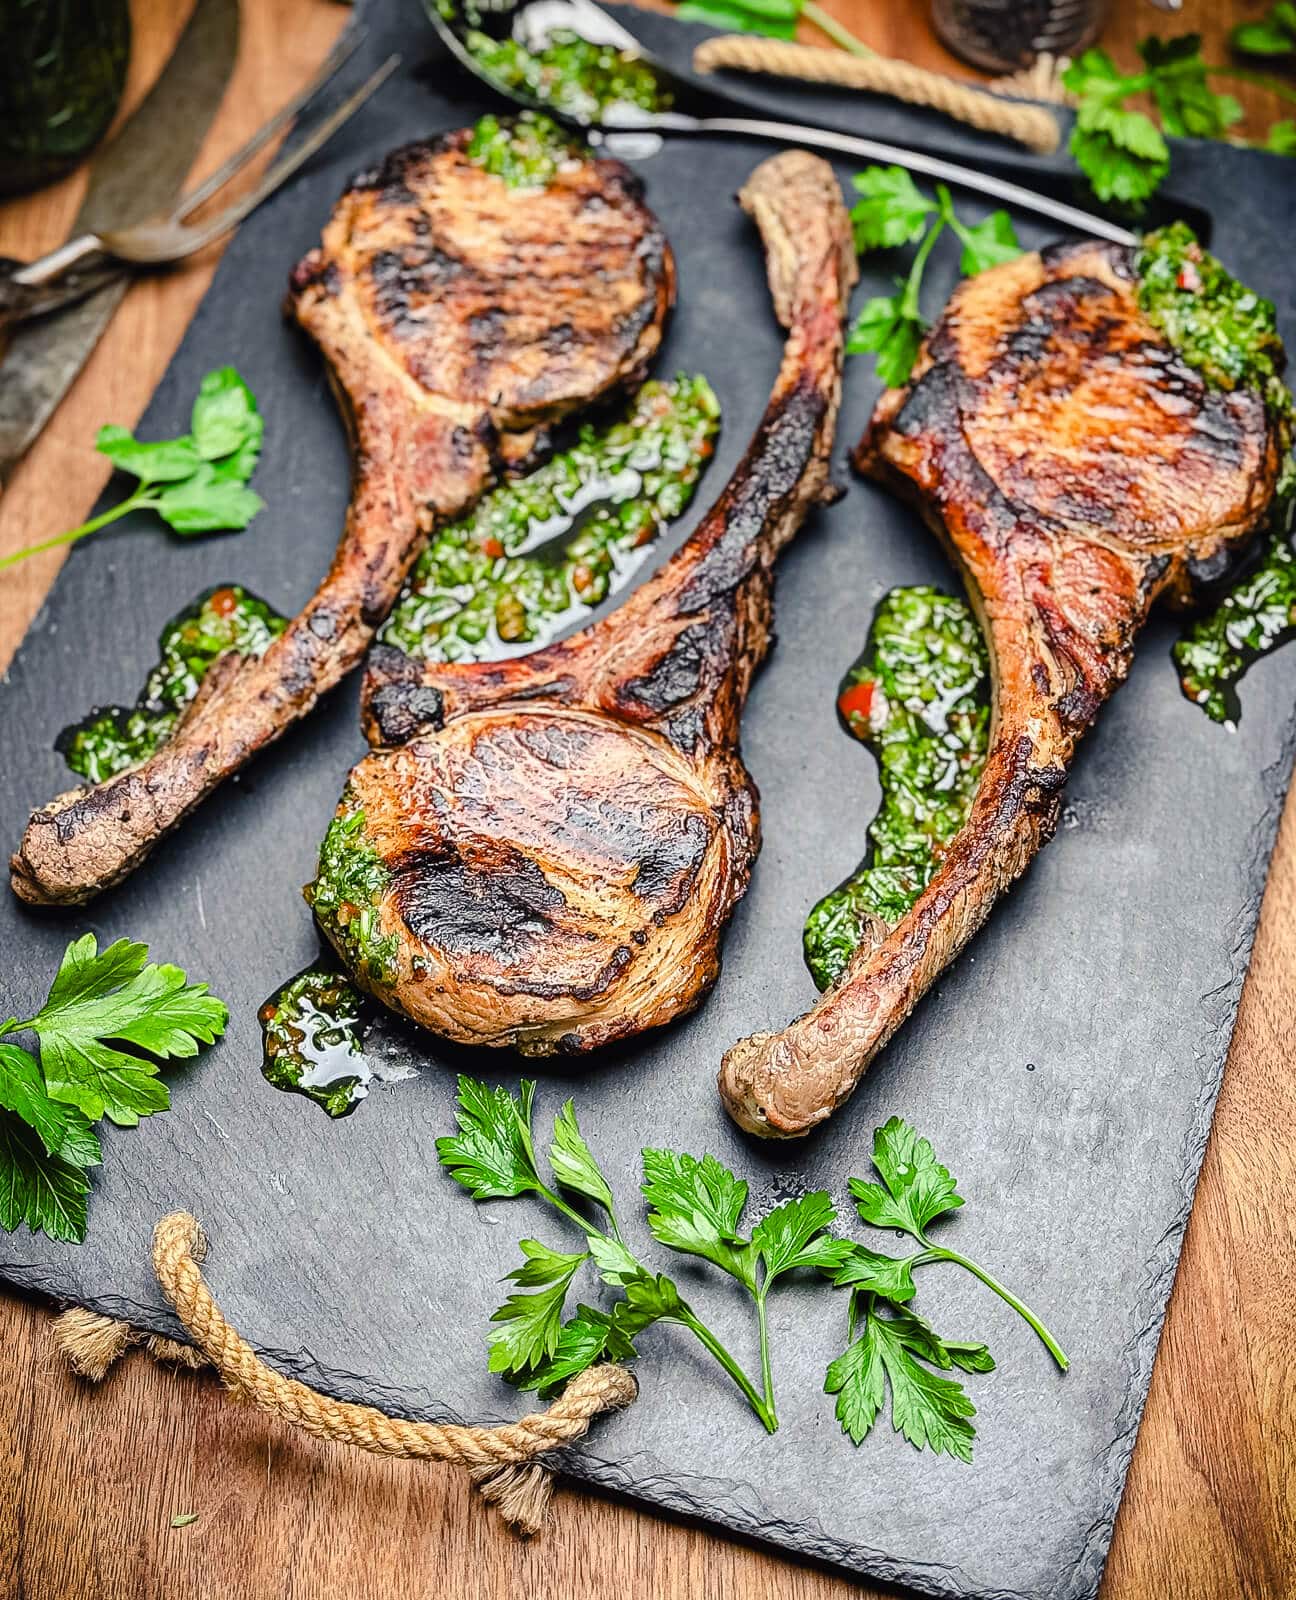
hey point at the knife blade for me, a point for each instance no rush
(140, 172)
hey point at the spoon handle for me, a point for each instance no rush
(914, 161)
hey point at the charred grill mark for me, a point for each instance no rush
(401, 711)
(499, 904)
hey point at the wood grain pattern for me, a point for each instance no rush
(90, 1480)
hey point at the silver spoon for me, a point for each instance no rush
(632, 132)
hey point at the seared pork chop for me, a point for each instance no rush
(1077, 468)
(459, 315)
(549, 855)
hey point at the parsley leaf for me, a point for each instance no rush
(898, 1351)
(616, 1265)
(492, 1154)
(884, 325)
(893, 212)
(1189, 107)
(696, 1207)
(225, 420)
(1281, 140)
(589, 1336)
(114, 996)
(794, 1235)
(196, 483)
(63, 1130)
(1121, 152)
(740, 18)
(775, 19)
(207, 503)
(985, 244)
(1273, 35)
(889, 1276)
(527, 1325)
(918, 1189)
(164, 462)
(573, 1164)
(46, 1192)
(99, 1000)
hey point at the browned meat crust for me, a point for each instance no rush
(1077, 470)
(458, 317)
(568, 832)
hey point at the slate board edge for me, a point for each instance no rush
(1162, 1269)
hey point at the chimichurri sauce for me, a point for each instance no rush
(919, 696)
(539, 552)
(314, 1031)
(526, 151)
(349, 883)
(571, 74)
(112, 738)
(1255, 617)
(1225, 330)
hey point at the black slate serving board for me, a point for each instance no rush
(1113, 971)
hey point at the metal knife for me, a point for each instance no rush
(138, 173)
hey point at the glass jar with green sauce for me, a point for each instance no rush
(62, 71)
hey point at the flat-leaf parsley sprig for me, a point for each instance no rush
(196, 483)
(890, 1345)
(110, 1016)
(696, 1207)
(1119, 147)
(891, 212)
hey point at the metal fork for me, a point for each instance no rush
(163, 239)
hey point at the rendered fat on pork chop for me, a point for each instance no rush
(544, 852)
(1077, 468)
(467, 293)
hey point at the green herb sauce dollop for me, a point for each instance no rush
(919, 697)
(1225, 330)
(113, 738)
(526, 151)
(350, 880)
(312, 1037)
(575, 76)
(539, 552)
(1256, 616)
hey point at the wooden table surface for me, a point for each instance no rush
(90, 1479)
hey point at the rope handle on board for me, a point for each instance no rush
(1032, 126)
(502, 1461)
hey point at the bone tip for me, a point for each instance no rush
(751, 1087)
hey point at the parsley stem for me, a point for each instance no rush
(938, 1252)
(132, 502)
(829, 24)
(910, 297)
(767, 1370)
(1261, 80)
(570, 1212)
(764, 1409)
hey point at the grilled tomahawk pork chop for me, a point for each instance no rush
(564, 835)
(458, 316)
(1077, 469)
